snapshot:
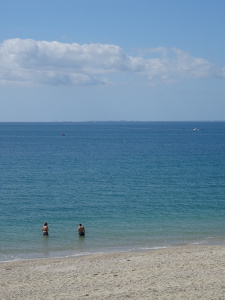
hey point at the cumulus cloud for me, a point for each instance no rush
(30, 62)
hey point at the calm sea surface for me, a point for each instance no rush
(133, 185)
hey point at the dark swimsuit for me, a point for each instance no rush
(81, 233)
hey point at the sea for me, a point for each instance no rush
(135, 186)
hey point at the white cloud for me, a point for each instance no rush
(30, 62)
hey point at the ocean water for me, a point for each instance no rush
(133, 185)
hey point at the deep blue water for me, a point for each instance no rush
(133, 185)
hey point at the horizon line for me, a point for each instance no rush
(113, 121)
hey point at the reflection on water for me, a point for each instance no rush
(81, 245)
(45, 245)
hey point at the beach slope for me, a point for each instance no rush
(196, 272)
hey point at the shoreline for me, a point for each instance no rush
(181, 272)
(77, 255)
(14, 257)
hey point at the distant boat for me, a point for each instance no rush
(195, 129)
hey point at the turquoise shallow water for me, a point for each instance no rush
(134, 186)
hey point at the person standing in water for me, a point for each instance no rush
(45, 229)
(81, 230)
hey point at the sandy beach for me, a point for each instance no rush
(196, 272)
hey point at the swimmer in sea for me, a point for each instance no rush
(81, 230)
(45, 229)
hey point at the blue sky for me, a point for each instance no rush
(99, 60)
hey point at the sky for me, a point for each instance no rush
(112, 60)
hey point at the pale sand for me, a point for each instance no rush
(196, 272)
